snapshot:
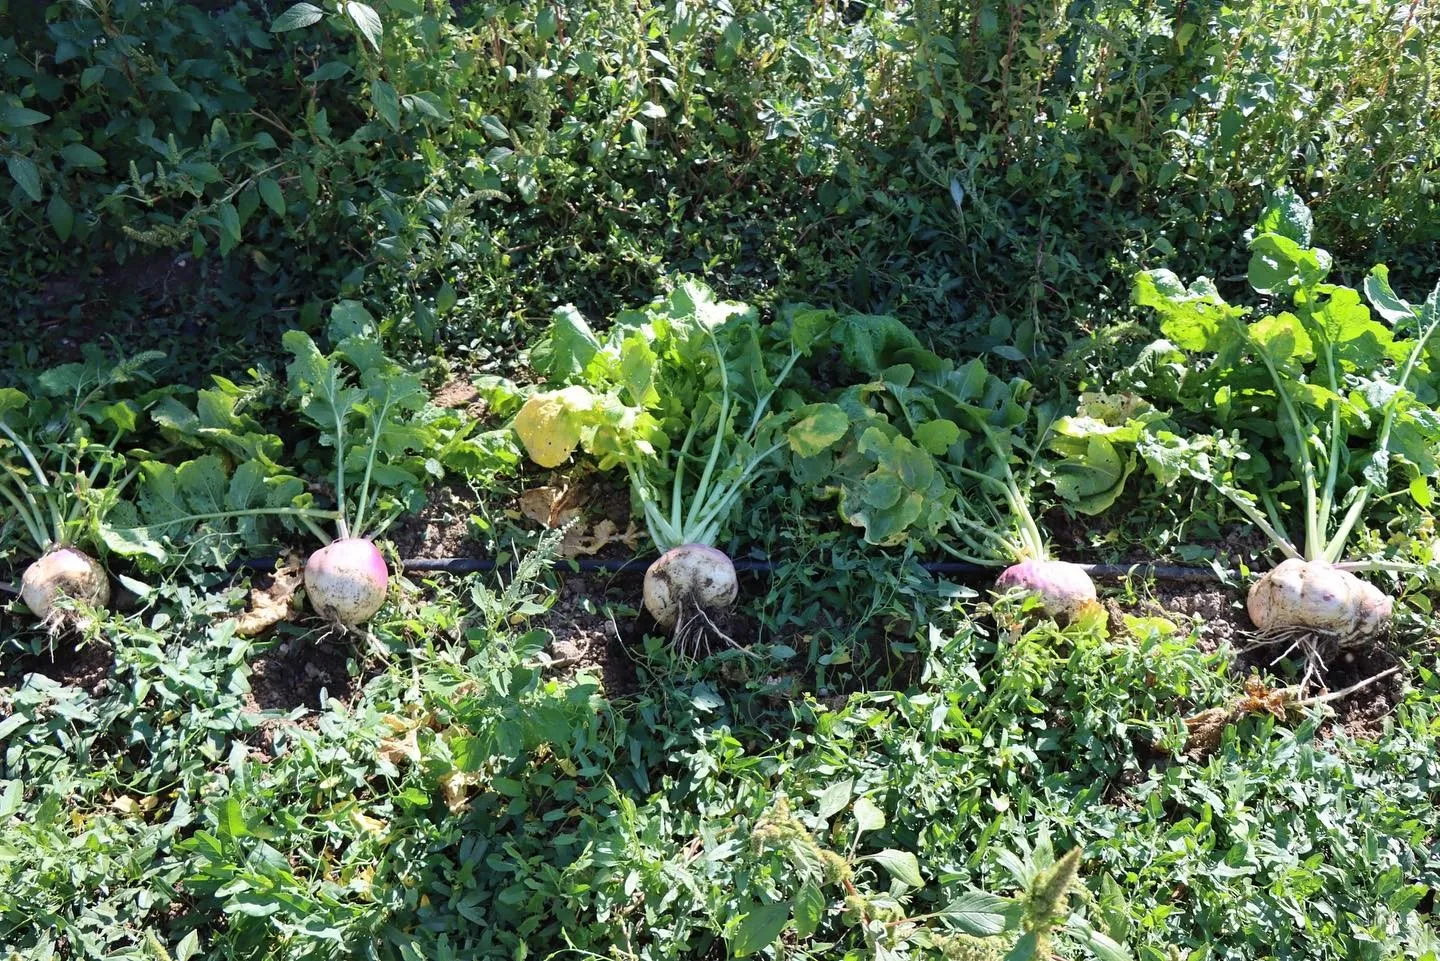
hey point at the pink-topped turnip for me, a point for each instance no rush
(1064, 589)
(347, 581)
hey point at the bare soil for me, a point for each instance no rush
(439, 529)
(589, 641)
(294, 673)
(87, 666)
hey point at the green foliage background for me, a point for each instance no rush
(184, 169)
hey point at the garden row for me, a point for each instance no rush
(1316, 418)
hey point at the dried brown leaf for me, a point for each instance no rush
(551, 506)
(273, 604)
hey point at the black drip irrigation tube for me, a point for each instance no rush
(637, 566)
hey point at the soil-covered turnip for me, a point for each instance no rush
(64, 572)
(1316, 596)
(692, 580)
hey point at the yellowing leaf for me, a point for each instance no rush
(549, 424)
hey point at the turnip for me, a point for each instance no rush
(689, 580)
(1315, 596)
(1064, 589)
(63, 572)
(1303, 385)
(691, 365)
(347, 580)
(55, 513)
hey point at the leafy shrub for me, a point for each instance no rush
(483, 162)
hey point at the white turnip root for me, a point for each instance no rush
(1064, 588)
(1314, 596)
(347, 580)
(63, 571)
(686, 584)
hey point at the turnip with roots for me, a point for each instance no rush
(57, 512)
(1325, 375)
(991, 521)
(378, 436)
(686, 364)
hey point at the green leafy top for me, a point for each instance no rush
(1305, 408)
(936, 451)
(61, 467)
(376, 430)
(687, 369)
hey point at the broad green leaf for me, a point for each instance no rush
(349, 319)
(870, 343)
(1092, 474)
(809, 909)
(367, 21)
(61, 216)
(902, 865)
(568, 348)
(868, 817)
(1100, 944)
(760, 925)
(1284, 340)
(1194, 318)
(229, 223)
(387, 103)
(297, 16)
(638, 364)
(202, 482)
(835, 799)
(188, 947)
(26, 174)
(1278, 264)
(272, 195)
(79, 155)
(937, 436)
(1386, 302)
(13, 116)
(980, 914)
(1287, 215)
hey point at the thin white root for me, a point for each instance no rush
(1346, 692)
(696, 632)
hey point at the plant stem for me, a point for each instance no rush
(722, 503)
(360, 508)
(1258, 519)
(32, 525)
(1336, 547)
(44, 539)
(1030, 537)
(341, 524)
(1332, 465)
(299, 513)
(703, 488)
(677, 489)
(1313, 542)
(1399, 567)
(40, 477)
